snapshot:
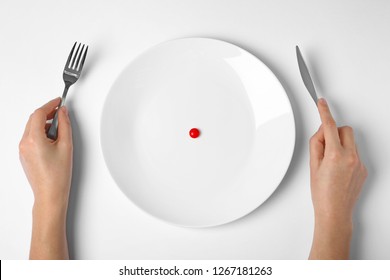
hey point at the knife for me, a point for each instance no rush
(306, 76)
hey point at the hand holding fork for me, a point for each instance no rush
(48, 167)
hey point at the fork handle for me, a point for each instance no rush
(53, 130)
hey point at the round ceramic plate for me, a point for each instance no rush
(245, 120)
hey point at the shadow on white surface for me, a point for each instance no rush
(79, 156)
(359, 234)
(77, 181)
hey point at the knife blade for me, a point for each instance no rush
(305, 74)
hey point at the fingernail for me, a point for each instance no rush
(322, 101)
(65, 110)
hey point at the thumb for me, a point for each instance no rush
(64, 126)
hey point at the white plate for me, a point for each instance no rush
(242, 111)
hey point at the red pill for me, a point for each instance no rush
(194, 132)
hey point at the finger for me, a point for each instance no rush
(50, 116)
(347, 138)
(317, 147)
(51, 105)
(331, 133)
(39, 117)
(64, 126)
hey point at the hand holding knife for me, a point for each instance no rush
(337, 177)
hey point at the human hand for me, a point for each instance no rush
(47, 163)
(48, 167)
(337, 173)
(337, 176)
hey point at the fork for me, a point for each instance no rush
(71, 74)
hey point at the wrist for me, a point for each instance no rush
(333, 218)
(47, 210)
(337, 225)
(334, 227)
(332, 238)
(48, 239)
(51, 197)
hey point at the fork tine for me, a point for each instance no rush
(74, 58)
(70, 55)
(83, 59)
(77, 66)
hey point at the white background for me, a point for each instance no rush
(346, 45)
